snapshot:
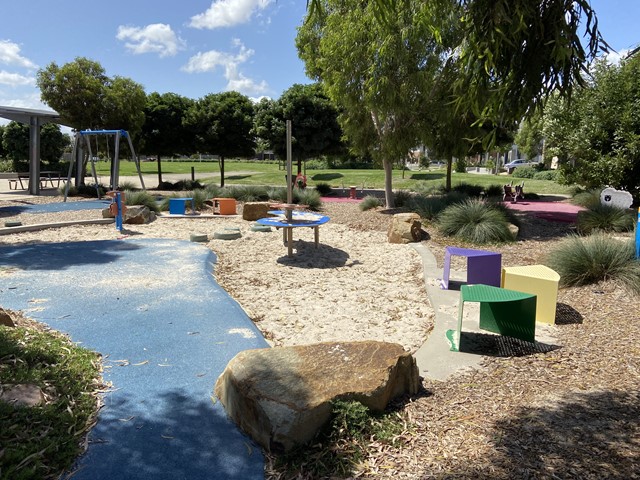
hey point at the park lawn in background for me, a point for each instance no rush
(263, 173)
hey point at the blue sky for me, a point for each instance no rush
(191, 48)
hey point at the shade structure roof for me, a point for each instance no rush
(23, 115)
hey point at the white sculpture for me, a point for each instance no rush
(616, 198)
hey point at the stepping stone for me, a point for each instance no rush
(228, 234)
(199, 237)
(12, 224)
(260, 228)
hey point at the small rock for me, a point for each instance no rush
(138, 215)
(25, 395)
(405, 228)
(253, 211)
(5, 318)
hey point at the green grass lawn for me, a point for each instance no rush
(261, 173)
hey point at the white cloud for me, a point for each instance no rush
(229, 63)
(613, 58)
(154, 38)
(10, 55)
(227, 13)
(15, 79)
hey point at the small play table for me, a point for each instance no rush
(288, 220)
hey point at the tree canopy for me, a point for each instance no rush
(82, 93)
(314, 120)
(513, 53)
(14, 139)
(384, 77)
(163, 132)
(223, 124)
(596, 136)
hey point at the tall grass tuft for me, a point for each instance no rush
(429, 207)
(369, 202)
(324, 188)
(310, 197)
(475, 221)
(402, 198)
(129, 186)
(606, 218)
(140, 197)
(587, 199)
(468, 189)
(598, 257)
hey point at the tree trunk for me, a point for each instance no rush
(221, 163)
(388, 183)
(159, 171)
(299, 165)
(447, 185)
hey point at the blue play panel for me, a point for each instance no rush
(54, 207)
(166, 331)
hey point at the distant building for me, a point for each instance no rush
(266, 155)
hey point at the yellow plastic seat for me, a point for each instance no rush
(537, 280)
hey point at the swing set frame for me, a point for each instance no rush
(82, 139)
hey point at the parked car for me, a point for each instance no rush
(520, 162)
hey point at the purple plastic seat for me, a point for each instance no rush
(482, 266)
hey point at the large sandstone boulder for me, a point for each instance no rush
(133, 215)
(252, 211)
(282, 396)
(405, 228)
(138, 215)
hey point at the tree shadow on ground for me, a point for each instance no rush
(320, 177)
(426, 176)
(172, 436)
(58, 256)
(237, 177)
(579, 435)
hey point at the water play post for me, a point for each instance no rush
(119, 214)
(638, 235)
(289, 183)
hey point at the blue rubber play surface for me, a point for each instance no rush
(55, 207)
(166, 331)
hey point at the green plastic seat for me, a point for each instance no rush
(506, 312)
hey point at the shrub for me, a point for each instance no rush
(342, 444)
(402, 198)
(140, 197)
(128, 185)
(587, 260)
(524, 172)
(468, 189)
(551, 175)
(460, 165)
(323, 188)
(606, 218)
(310, 197)
(475, 221)
(587, 199)
(278, 194)
(369, 202)
(493, 191)
(429, 207)
(317, 164)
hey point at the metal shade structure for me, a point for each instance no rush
(35, 119)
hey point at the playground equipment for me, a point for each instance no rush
(117, 207)
(82, 139)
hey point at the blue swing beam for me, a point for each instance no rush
(115, 163)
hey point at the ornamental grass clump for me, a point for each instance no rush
(475, 221)
(429, 207)
(605, 218)
(369, 202)
(587, 199)
(141, 197)
(598, 257)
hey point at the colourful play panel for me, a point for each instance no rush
(537, 280)
(507, 312)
